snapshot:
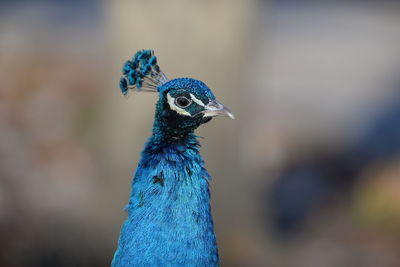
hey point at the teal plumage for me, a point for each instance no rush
(169, 216)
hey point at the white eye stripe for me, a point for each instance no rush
(198, 101)
(171, 103)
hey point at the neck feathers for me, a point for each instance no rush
(169, 217)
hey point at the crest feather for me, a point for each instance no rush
(142, 73)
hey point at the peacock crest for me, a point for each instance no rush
(142, 73)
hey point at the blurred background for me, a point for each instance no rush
(307, 175)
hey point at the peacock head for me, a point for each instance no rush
(184, 103)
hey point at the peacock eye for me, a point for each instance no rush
(182, 101)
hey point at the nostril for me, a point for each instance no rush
(214, 105)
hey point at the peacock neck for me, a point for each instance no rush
(164, 135)
(168, 128)
(169, 216)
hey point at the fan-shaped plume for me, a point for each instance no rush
(142, 73)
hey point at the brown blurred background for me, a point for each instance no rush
(307, 175)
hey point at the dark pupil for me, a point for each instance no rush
(182, 101)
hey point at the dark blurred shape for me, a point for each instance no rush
(381, 141)
(306, 185)
(296, 193)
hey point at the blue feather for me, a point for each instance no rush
(123, 84)
(168, 224)
(142, 72)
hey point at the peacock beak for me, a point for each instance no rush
(215, 108)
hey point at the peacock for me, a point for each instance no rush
(169, 219)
